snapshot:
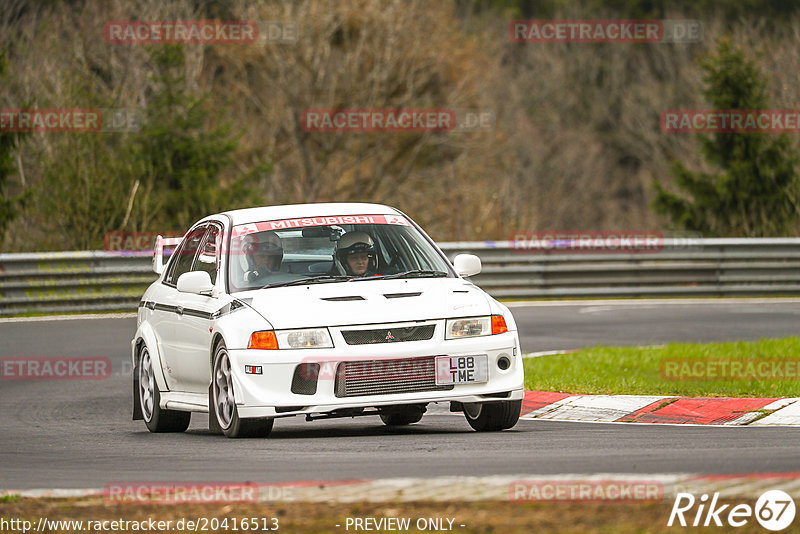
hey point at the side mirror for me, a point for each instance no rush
(197, 282)
(467, 264)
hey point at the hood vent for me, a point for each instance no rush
(343, 299)
(401, 295)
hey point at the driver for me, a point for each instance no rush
(264, 254)
(355, 254)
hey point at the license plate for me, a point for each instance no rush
(462, 369)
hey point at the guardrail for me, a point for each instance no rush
(96, 281)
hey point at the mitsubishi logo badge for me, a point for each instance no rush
(389, 336)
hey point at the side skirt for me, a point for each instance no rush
(186, 402)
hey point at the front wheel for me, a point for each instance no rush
(223, 402)
(493, 416)
(156, 418)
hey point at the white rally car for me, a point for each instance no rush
(322, 310)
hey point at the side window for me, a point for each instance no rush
(184, 255)
(208, 258)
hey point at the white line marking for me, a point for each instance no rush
(753, 425)
(546, 353)
(648, 302)
(81, 317)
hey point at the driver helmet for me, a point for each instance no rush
(353, 243)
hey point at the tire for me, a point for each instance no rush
(223, 402)
(156, 418)
(213, 423)
(402, 417)
(493, 416)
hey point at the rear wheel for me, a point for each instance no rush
(223, 402)
(156, 418)
(402, 416)
(492, 416)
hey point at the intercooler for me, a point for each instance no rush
(382, 377)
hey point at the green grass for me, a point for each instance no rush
(642, 370)
(10, 498)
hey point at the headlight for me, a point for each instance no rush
(471, 327)
(474, 327)
(310, 338)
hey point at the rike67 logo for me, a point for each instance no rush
(774, 510)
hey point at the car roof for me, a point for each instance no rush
(298, 211)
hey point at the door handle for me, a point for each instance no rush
(179, 310)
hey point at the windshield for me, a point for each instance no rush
(329, 250)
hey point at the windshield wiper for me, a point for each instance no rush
(342, 278)
(416, 272)
(309, 280)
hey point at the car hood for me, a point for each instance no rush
(367, 302)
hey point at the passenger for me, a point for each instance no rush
(264, 254)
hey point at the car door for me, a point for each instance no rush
(168, 310)
(192, 340)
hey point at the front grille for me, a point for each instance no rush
(381, 377)
(388, 335)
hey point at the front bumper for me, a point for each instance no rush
(269, 394)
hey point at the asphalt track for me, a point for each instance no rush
(79, 434)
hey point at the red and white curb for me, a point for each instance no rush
(787, 413)
(521, 487)
(661, 409)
